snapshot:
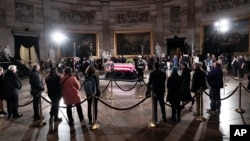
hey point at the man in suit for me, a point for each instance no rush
(156, 83)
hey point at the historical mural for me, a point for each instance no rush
(80, 44)
(24, 13)
(133, 43)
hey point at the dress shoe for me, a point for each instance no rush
(17, 115)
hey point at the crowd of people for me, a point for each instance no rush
(187, 76)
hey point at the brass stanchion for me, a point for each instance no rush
(152, 124)
(201, 118)
(111, 96)
(240, 110)
(41, 122)
(95, 125)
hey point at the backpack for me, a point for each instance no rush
(89, 85)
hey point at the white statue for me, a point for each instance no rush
(104, 54)
(158, 50)
(52, 55)
(7, 52)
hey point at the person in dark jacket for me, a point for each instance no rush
(215, 81)
(174, 94)
(37, 87)
(54, 92)
(91, 72)
(156, 82)
(185, 84)
(235, 66)
(2, 112)
(12, 85)
(199, 81)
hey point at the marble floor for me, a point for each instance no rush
(124, 114)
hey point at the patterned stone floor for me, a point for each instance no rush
(126, 116)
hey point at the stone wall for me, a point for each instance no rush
(165, 19)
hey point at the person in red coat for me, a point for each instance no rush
(71, 95)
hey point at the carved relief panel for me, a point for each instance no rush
(24, 13)
(132, 17)
(77, 17)
(217, 5)
(175, 19)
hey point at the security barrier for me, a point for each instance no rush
(150, 124)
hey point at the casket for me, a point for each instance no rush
(121, 71)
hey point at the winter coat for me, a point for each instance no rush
(36, 83)
(173, 85)
(53, 86)
(185, 85)
(199, 80)
(70, 90)
(1, 87)
(215, 78)
(157, 80)
(12, 84)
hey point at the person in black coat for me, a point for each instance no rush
(156, 82)
(12, 85)
(174, 94)
(2, 112)
(199, 81)
(37, 87)
(54, 92)
(215, 81)
(185, 84)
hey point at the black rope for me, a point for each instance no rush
(229, 95)
(106, 86)
(26, 103)
(245, 88)
(121, 108)
(128, 89)
(237, 79)
(63, 106)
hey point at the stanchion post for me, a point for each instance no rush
(201, 118)
(95, 125)
(152, 124)
(111, 97)
(41, 122)
(240, 110)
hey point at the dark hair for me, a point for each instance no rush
(157, 65)
(90, 70)
(52, 72)
(68, 71)
(184, 64)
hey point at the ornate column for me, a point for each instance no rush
(105, 26)
(46, 31)
(159, 35)
(191, 23)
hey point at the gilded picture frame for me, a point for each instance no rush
(81, 44)
(133, 43)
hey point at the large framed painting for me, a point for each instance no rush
(132, 43)
(81, 44)
(234, 40)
